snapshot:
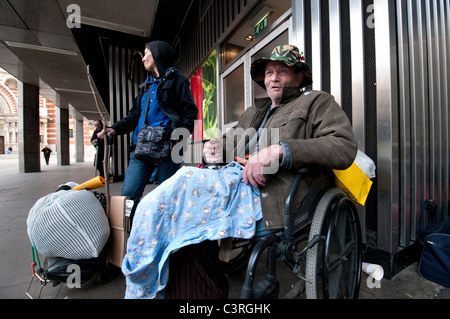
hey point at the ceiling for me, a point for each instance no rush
(50, 43)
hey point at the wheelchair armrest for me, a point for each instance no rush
(303, 170)
(293, 189)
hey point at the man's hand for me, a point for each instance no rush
(253, 171)
(213, 151)
(108, 130)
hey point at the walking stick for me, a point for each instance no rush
(106, 151)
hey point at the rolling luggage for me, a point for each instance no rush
(89, 235)
(79, 229)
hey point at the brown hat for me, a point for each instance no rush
(288, 54)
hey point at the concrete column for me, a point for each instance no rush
(62, 136)
(28, 137)
(79, 141)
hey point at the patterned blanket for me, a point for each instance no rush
(192, 206)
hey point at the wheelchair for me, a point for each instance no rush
(320, 243)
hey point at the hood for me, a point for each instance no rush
(163, 54)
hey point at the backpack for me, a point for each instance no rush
(434, 264)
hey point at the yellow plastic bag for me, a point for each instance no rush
(354, 182)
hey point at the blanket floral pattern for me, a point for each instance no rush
(192, 206)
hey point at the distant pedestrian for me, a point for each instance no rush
(46, 152)
(99, 144)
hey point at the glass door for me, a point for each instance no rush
(238, 90)
(233, 94)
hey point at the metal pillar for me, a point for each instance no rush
(62, 136)
(28, 136)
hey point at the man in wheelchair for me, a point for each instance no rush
(185, 215)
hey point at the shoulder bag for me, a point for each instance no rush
(153, 142)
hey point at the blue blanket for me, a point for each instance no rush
(192, 206)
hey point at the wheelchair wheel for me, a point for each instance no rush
(333, 265)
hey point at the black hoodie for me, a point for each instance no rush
(163, 54)
(174, 94)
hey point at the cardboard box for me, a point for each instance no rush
(119, 224)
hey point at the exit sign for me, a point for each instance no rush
(263, 24)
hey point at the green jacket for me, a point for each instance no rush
(319, 135)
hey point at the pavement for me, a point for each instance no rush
(19, 192)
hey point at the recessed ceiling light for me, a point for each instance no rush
(40, 48)
(250, 37)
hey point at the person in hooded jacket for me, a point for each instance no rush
(171, 105)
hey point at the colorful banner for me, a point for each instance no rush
(197, 94)
(204, 91)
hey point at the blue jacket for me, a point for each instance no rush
(173, 95)
(174, 98)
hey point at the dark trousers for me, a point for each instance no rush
(193, 275)
(99, 165)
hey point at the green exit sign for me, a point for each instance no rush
(263, 24)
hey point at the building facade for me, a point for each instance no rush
(47, 119)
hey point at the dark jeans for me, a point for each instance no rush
(139, 173)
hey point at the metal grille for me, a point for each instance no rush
(412, 115)
(370, 110)
(122, 91)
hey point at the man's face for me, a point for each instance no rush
(98, 125)
(278, 75)
(149, 62)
